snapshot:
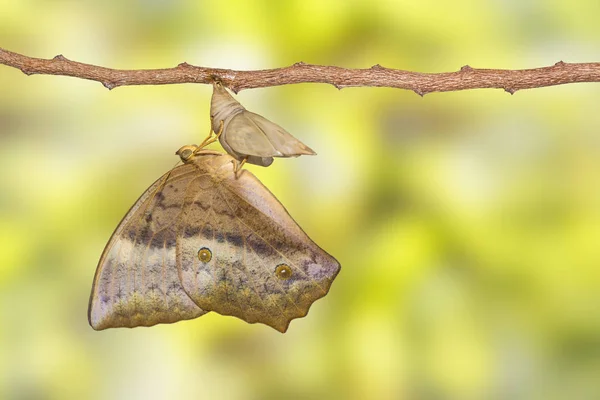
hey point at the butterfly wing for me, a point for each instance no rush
(199, 240)
(262, 266)
(137, 281)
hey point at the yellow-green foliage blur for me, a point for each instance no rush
(467, 224)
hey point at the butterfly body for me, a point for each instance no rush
(245, 134)
(199, 240)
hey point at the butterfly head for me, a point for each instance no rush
(187, 153)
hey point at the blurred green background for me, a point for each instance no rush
(467, 224)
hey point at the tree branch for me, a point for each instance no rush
(421, 83)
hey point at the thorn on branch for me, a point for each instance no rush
(26, 72)
(109, 85)
(183, 65)
(338, 87)
(299, 64)
(466, 68)
(510, 90)
(60, 57)
(419, 92)
(561, 63)
(377, 66)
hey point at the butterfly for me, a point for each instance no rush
(246, 136)
(201, 239)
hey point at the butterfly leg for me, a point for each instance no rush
(238, 166)
(206, 141)
(209, 139)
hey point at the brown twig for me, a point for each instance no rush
(421, 83)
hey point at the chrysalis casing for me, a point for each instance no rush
(246, 135)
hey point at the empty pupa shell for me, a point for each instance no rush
(246, 134)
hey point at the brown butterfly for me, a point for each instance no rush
(198, 240)
(246, 136)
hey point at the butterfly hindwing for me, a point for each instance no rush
(252, 240)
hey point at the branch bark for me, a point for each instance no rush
(421, 83)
